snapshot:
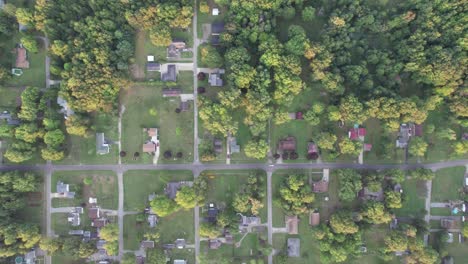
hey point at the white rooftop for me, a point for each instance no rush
(215, 12)
(150, 58)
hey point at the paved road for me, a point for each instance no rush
(270, 214)
(440, 205)
(427, 217)
(120, 214)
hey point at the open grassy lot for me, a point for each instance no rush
(133, 232)
(61, 226)
(326, 208)
(177, 225)
(223, 185)
(441, 211)
(33, 212)
(104, 188)
(459, 251)
(185, 81)
(145, 107)
(80, 150)
(139, 184)
(414, 193)
(383, 144)
(448, 184)
(10, 98)
(60, 259)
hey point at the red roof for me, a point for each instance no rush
(367, 147)
(355, 133)
(311, 148)
(418, 130)
(320, 186)
(299, 115)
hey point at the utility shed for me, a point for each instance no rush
(294, 247)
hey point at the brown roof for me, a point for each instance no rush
(314, 218)
(418, 130)
(152, 132)
(184, 106)
(93, 212)
(149, 147)
(21, 58)
(292, 223)
(214, 243)
(178, 44)
(140, 260)
(171, 91)
(288, 144)
(311, 148)
(99, 222)
(320, 186)
(448, 223)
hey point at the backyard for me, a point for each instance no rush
(448, 184)
(103, 187)
(414, 195)
(146, 108)
(139, 184)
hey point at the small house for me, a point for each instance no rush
(149, 147)
(320, 186)
(139, 260)
(214, 243)
(218, 145)
(234, 147)
(217, 28)
(406, 132)
(102, 146)
(172, 188)
(63, 191)
(214, 79)
(394, 223)
(213, 212)
(287, 144)
(170, 75)
(292, 223)
(294, 247)
(76, 232)
(184, 106)
(171, 92)
(215, 12)
(98, 223)
(357, 133)
(152, 220)
(94, 212)
(147, 244)
(78, 210)
(21, 58)
(314, 218)
(153, 66)
(174, 49)
(74, 219)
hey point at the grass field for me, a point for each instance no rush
(145, 107)
(441, 211)
(448, 184)
(35, 75)
(10, 98)
(104, 188)
(60, 259)
(80, 150)
(223, 185)
(133, 232)
(61, 226)
(185, 81)
(139, 184)
(414, 193)
(459, 251)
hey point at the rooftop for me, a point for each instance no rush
(287, 144)
(217, 28)
(314, 218)
(21, 58)
(102, 147)
(170, 75)
(215, 79)
(357, 133)
(294, 247)
(169, 92)
(292, 223)
(147, 244)
(153, 66)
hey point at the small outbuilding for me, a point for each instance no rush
(102, 146)
(147, 244)
(171, 92)
(314, 218)
(294, 247)
(292, 224)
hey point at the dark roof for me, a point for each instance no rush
(418, 130)
(171, 92)
(288, 144)
(99, 222)
(153, 66)
(184, 106)
(215, 39)
(147, 244)
(320, 186)
(93, 212)
(170, 75)
(214, 243)
(217, 27)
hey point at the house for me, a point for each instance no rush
(30, 257)
(357, 133)
(294, 247)
(214, 243)
(366, 194)
(320, 186)
(215, 40)
(76, 232)
(292, 223)
(66, 110)
(217, 28)
(139, 260)
(234, 147)
(406, 132)
(5, 115)
(180, 243)
(94, 212)
(102, 147)
(287, 144)
(170, 75)
(218, 145)
(21, 58)
(228, 237)
(147, 244)
(92, 200)
(394, 223)
(180, 261)
(214, 79)
(149, 147)
(448, 223)
(152, 220)
(78, 210)
(63, 191)
(172, 188)
(153, 66)
(250, 220)
(174, 49)
(314, 218)
(212, 213)
(184, 106)
(74, 219)
(98, 223)
(215, 12)
(171, 92)
(312, 148)
(100, 244)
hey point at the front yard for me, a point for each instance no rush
(448, 184)
(414, 195)
(103, 187)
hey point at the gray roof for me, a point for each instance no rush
(152, 220)
(74, 219)
(66, 110)
(101, 145)
(294, 247)
(215, 79)
(172, 188)
(6, 115)
(170, 75)
(184, 106)
(217, 28)
(233, 144)
(62, 187)
(76, 232)
(153, 66)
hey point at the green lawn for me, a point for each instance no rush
(60, 224)
(145, 107)
(139, 184)
(80, 150)
(133, 232)
(414, 193)
(441, 211)
(177, 225)
(33, 212)
(448, 184)
(185, 81)
(223, 185)
(104, 188)
(35, 75)
(60, 259)
(459, 251)
(203, 18)
(10, 98)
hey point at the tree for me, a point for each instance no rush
(417, 147)
(110, 232)
(204, 7)
(112, 248)
(88, 180)
(208, 230)
(163, 206)
(29, 104)
(29, 43)
(350, 184)
(465, 230)
(342, 223)
(326, 141)
(375, 213)
(6, 131)
(77, 125)
(311, 117)
(347, 146)
(446, 133)
(187, 198)
(52, 154)
(396, 242)
(393, 200)
(295, 195)
(256, 149)
(396, 175)
(459, 148)
(51, 245)
(155, 256)
(160, 36)
(20, 152)
(54, 138)
(308, 14)
(210, 57)
(24, 16)
(422, 174)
